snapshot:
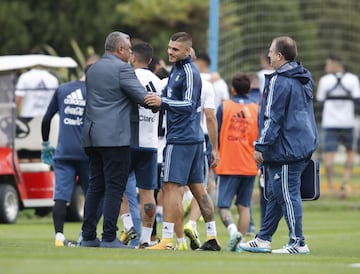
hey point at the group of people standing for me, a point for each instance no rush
(277, 136)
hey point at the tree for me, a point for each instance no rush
(26, 24)
(154, 21)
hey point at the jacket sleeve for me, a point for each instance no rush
(189, 96)
(46, 121)
(131, 85)
(274, 111)
(219, 114)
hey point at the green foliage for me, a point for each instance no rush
(14, 34)
(154, 21)
(246, 27)
(26, 24)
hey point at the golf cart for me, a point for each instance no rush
(27, 183)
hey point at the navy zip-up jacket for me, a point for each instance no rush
(287, 128)
(181, 100)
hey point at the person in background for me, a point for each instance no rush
(255, 95)
(69, 160)
(184, 140)
(338, 92)
(221, 89)
(237, 169)
(158, 67)
(113, 92)
(287, 139)
(34, 90)
(130, 213)
(33, 93)
(144, 155)
(266, 68)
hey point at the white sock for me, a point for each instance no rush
(145, 235)
(127, 221)
(159, 209)
(180, 240)
(59, 236)
(210, 229)
(193, 224)
(232, 229)
(168, 230)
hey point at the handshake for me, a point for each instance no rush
(153, 101)
(47, 153)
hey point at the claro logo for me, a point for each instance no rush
(143, 118)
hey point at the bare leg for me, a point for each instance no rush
(195, 212)
(328, 159)
(244, 219)
(350, 159)
(172, 202)
(348, 167)
(179, 232)
(147, 207)
(205, 203)
(226, 216)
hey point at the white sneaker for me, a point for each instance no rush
(256, 245)
(292, 249)
(235, 239)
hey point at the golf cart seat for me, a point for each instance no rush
(29, 147)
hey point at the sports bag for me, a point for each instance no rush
(310, 182)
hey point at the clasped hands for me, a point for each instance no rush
(153, 101)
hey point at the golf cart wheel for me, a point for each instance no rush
(9, 204)
(75, 211)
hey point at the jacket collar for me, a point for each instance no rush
(184, 61)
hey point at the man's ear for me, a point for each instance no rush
(118, 50)
(188, 51)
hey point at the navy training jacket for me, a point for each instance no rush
(181, 100)
(287, 127)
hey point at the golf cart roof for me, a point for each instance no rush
(13, 62)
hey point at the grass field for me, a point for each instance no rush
(331, 227)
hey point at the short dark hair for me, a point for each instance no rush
(204, 57)
(336, 58)
(241, 83)
(287, 47)
(162, 73)
(182, 37)
(154, 62)
(143, 52)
